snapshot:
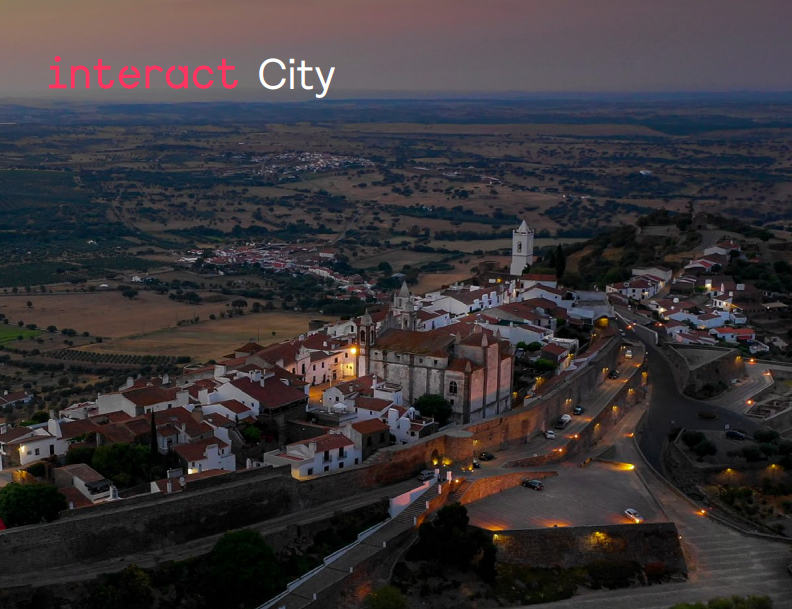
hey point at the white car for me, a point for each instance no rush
(628, 354)
(549, 434)
(633, 515)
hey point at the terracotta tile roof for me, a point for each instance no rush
(273, 394)
(554, 349)
(112, 417)
(83, 472)
(329, 441)
(30, 439)
(235, 406)
(282, 352)
(461, 364)
(196, 451)
(75, 497)
(148, 396)
(73, 429)
(356, 385)
(422, 343)
(14, 433)
(377, 404)
(370, 426)
(217, 420)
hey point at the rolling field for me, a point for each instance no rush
(211, 339)
(106, 314)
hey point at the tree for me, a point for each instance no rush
(560, 261)
(252, 435)
(705, 448)
(80, 454)
(387, 597)
(130, 293)
(435, 406)
(239, 303)
(123, 463)
(29, 304)
(22, 504)
(691, 438)
(765, 435)
(534, 346)
(153, 448)
(386, 268)
(244, 570)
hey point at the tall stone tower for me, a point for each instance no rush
(404, 308)
(522, 249)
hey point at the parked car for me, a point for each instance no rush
(486, 457)
(549, 434)
(578, 410)
(633, 515)
(563, 421)
(622, 333)
(426, 474)
(613, 374)
(628, 354)
(476, 464)
(733, 434)
(534, 484)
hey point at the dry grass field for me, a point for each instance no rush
(106, 314)
(212, 339)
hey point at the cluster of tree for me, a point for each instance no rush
(22, 504)
(434, 406)
(449, 540)
(697, 442)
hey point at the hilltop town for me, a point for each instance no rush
(466, 394)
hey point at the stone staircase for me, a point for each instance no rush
(457, 494)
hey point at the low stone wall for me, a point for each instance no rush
(569, 547)
(483, 488)
(693, 379)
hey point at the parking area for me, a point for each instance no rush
(595, 495)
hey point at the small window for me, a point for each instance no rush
(327, 468)
(310, 471)
(38, 451)
(452, 388)
(340, 465)
(356, 460)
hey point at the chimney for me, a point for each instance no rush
(169, 486)
(203, 396)
(197, 414)
(255, 375)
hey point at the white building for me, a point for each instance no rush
(207, 454)
(325, 453)
(522, 249)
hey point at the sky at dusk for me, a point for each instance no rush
(410, 46)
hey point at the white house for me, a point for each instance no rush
(407, 424)
(325, 453)
(662, 273)
(207, 454)
(638, 288)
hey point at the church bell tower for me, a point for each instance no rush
(522, 249)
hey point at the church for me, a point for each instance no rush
(470, 366)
